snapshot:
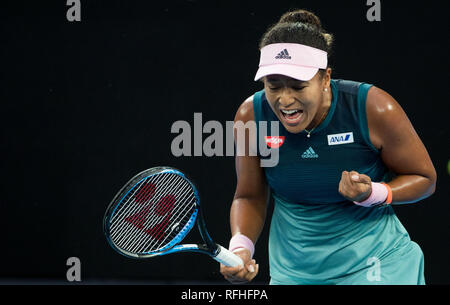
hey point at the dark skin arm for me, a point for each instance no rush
(402, 152)
(248, 209)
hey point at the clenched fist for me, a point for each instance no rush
(355, 186)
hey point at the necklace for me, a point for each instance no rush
(309, 131)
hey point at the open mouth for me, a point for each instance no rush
(293, 116)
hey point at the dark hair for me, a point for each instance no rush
(302, 27)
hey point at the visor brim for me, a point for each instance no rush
(296, 72)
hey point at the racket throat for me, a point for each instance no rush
(210, 244)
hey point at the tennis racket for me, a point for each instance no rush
(154, 212)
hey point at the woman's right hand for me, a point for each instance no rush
(241, 274)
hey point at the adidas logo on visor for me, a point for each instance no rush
(283, 55)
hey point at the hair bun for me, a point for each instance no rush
(302, 16)
(301, 27)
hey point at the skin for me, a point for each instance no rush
(390, 131)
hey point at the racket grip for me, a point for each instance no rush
(228, 258)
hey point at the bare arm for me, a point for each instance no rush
(248, 209)
(402, 151)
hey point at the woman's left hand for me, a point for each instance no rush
(355, 186)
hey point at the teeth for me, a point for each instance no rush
(289, 111)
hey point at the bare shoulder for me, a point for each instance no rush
(245, 111)
(385, 116)
(379, 102)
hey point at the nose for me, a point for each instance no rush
(286, 98)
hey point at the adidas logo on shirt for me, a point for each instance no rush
(283, 55)
(310, 154)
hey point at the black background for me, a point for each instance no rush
(87, 105)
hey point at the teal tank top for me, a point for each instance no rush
(316, 235)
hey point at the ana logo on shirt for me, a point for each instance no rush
(340, 138)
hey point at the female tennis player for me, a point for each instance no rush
(349, 154)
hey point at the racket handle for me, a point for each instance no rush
(228, 258)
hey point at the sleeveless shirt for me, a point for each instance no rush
(316, 235)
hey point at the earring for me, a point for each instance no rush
(326, 89)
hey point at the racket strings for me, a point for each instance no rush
(152, 214)
(128, 206)
(138, 219)
(181, 217)
(132, 195)
(136, 234)
(147, 244)
(122, 227)
(127, 231)
(181, 212)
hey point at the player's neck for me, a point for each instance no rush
(324, 108)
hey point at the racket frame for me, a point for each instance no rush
(210, 247)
